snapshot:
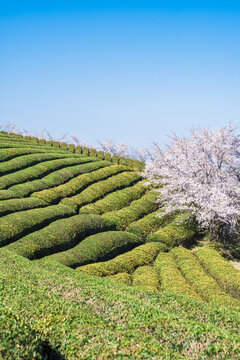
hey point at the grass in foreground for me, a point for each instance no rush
(84, 317)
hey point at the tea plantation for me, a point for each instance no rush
(88, 271)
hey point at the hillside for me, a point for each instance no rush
(89, 271)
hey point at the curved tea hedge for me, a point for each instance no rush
(148, 224)
(174, 234)
(14, 226)
(128, 262)
(22, 162)
(98, 247)
(60, 235)
(79, 183)
(220, 269)
(123, 278)
(10, 153)
(15, 205)
(116, 200)
(53, 179)
(38, 171)
(7, 194)
(137, 209)
(171, 279)
(205, 285)
(146, 278)
(101, 188)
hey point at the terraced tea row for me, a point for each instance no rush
(174, 233)
(171, 278)
(59, 235)
(25, 161)
(14, 226)
(15, 205)
(66, 310)
(39, 171)
(99, 247)
(136, 210)
(205, 285)
(54, 178)
(11, 140)
(116, 200)
(178, 272)
(101, 189)
(146, 278)
(79, 183)
(220, 269)
(128, 262)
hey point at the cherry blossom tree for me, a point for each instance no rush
(121, 149)
(112, 147)
(201, 175)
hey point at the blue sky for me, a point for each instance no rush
(131, 71)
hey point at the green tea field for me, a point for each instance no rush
(88, 271)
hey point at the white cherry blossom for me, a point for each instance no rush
(200, 174)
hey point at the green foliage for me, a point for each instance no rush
(42, 141)
(64, 146)
(6, 143)
(115, 200)
(16, 135)
(18, 340)
(128, 262)
(139, 165)
(60, 235)
(89, 173)
(137, 209)
(220, 269)
(14, 226)
(123, 278)
(85, 151)
(56, 144)
(148, 224)
(95, 190)
(71, 148)
(108, 157)
(101, 156)
(130, 163)
(38, 171)
(35, 139)
(78, 149)
(145, 278)
(98, 247)
(27, 137)
(122, 160)
(7, 154)
(24, 161)
(205, 285)
(115, 159)
(14, 205)
(85, 316)
(101, 188)
(57, 177)
(175, 233)
(7, 194)
(171, 279)
(93, 153)
(89, 317)
(49, 142)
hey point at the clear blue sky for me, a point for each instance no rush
(131, 71)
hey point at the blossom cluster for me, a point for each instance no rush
(201, 175)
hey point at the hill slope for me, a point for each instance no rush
(80, 240)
